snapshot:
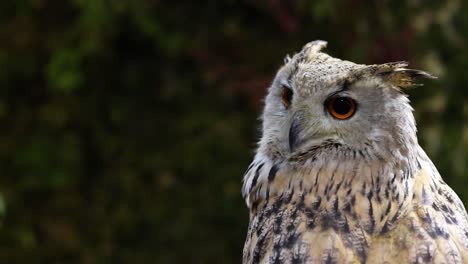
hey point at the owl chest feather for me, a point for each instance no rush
(348, 213)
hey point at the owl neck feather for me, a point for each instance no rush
(373, 189)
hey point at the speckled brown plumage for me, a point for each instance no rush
(349, 191)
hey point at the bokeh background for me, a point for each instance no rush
(126, 126)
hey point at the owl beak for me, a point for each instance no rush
(294, 132)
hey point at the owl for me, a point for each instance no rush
(339, 176)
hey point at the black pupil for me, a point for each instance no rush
(342, 105)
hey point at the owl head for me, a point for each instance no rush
(320, 103)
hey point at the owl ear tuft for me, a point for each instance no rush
(310, 49)
(401, 77)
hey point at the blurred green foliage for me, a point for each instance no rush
(126, 125)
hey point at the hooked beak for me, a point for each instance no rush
(294, 132)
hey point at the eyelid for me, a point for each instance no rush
(286, 84)
(341, 92)
(344, 88)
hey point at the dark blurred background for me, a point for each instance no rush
(126, 126)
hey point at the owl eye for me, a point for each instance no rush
(341, 107)
(286, 96)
